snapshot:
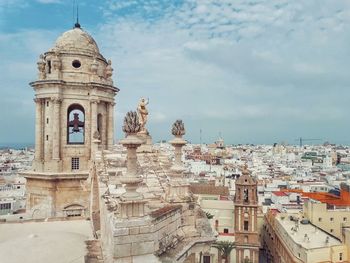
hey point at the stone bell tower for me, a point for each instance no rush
(74, 98)
(246, 210)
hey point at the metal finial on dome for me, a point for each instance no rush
(77, 24)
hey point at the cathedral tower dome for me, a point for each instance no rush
(75, 57)
(76, 40)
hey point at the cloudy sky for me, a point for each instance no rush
(255, 71)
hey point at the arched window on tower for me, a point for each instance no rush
(75, 124)
(245, 195)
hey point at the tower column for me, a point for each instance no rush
(103, 129)
(56, 127)
(110, 125)
(38, 130)
(93, 123)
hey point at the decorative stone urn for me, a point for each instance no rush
(131, 127)
(178, 130)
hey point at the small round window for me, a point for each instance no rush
(76, 64)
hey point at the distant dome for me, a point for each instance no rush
(78, 40)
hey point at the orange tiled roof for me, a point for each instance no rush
(342, 200)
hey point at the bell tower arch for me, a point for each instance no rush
(73, 88)
(246, 211)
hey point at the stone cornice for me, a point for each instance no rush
(38, 100)
(39, 83)
(55, 176)
(98, 56)
(56, 100)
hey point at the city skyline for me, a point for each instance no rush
(256, 72)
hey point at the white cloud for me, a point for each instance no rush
(256, 70)
(264, 62)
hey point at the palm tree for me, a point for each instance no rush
(225, 248)
(209, 216)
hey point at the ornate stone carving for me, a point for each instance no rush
(143, 114)
(56, 100)
(94, 67)
(109, 71)
(94, 101)
(56, 63)
(178, 128)
(37, 100)
(131, 123)
(41, 67)
(96, 135)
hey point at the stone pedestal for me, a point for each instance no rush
(131, 179)
(131, 203)
(134, 208)
(146, 146)
(178, 191)
(178, 188)
(178, 143)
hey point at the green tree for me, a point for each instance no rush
(224, 248)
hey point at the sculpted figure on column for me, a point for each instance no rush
(143, 114)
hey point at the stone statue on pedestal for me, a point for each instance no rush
(143, 134)
(143, 114)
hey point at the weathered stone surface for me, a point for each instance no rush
(134, 231)
(122, 250)
(142, 248)
(121, 231)
(145, 229)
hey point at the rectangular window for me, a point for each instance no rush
(75, 163)
(6, 206)
(331, 218)
(206, 259)
(226, 230)
(47, 103)
(345, 219)
(47, 120)
(340, 256)
(47, 137)
(246, 225)
(319, 219)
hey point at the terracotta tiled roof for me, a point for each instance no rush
(342, 200)
(279, 193)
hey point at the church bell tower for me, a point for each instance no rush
(246, 210)
(74, 100)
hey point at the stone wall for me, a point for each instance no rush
(50, 198)
(148, 235)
